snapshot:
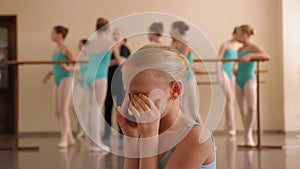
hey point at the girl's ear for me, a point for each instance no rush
(176, 90)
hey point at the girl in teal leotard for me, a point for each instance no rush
(246, 82)
(178, 32)
(229, 50)
(63, 83)
(95, 81)
(160, 136)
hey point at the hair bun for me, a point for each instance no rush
(252, 31)
(66, 30)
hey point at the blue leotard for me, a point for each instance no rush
(190, 59)
(228, 66)
(59, 72)
(213, 165)
(82, 71)
(245, 70)
(97, 66)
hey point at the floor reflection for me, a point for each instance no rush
(78, 157)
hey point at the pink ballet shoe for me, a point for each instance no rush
(250, 143)
(62, 145)
(71, 142)
(95, 148)
(231, 132)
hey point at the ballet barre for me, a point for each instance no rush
(228, 60)
(215, 83)
(45, 62)
(208, 73)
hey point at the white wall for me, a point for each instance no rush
(291, 64)
(216, 18)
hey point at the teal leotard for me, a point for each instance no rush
(228, 66)
(59, 72)
(97, 67)
(82, 71)
(190, 59)
(245, 70)
(213, 165)
(83, 68)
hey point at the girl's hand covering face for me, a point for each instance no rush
(126, 121)
(147, 115)
(142, 113)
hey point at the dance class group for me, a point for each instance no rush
(168, 67)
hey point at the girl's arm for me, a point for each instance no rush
(47, 77)
(130, 141)
(257, 53)
(219, 64)
(113, 62)
(119, 58)
(130, 146)
(67, 52)
(148, 153)
(222, 51)
(185, 50)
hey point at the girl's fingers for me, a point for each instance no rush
(134, 111)
(146, 100)
(136, 104)
(142, 103)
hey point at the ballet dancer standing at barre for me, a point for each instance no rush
(229, 50)
(246, 92)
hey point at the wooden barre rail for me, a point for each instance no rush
(226, 60)
(214, 83)
(46, 62)
(206, 73)
(33, 62)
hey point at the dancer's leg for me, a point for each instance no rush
(55, 101)
(229, 106)
(64, 98)
(242, 104)
(98, 97)
(251, 99)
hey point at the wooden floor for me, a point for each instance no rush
(78, 157)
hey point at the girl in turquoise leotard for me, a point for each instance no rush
(95, 81)
(229, 50)
(178, 32)
(63, 82)
(246, 82)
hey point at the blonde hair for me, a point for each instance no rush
(247, 29)
(165, 59)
